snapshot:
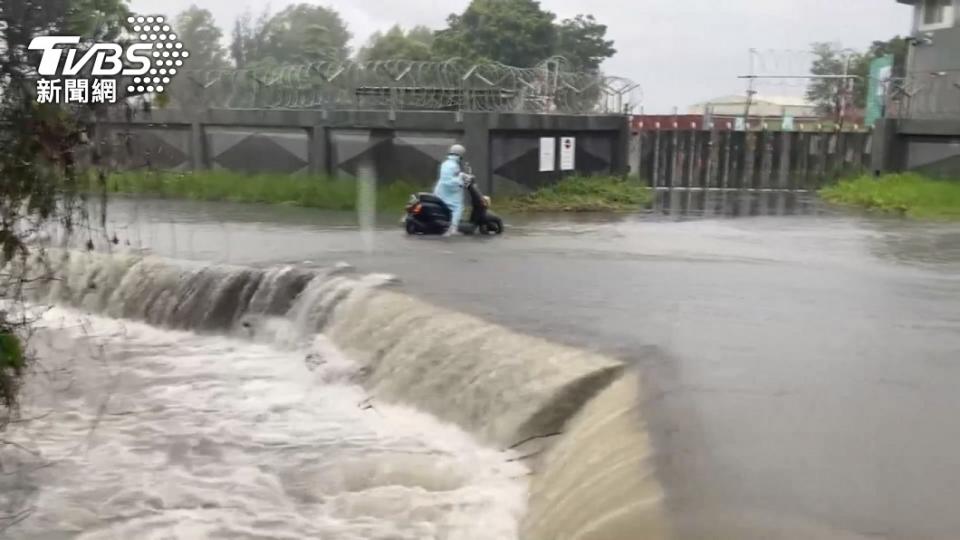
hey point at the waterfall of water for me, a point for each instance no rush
(508, 389)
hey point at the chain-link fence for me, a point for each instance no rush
(407, 85)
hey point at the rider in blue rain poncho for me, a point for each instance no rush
(450, 185)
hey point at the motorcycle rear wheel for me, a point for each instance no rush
(494, 226)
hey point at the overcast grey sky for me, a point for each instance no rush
(680, 51)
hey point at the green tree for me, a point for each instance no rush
(513, 32)
(829, 59)
(245, 38)
(582, 41)
(422, 34)
(396, 44)
(39, 181)
(299, 34)
(201, 36)
(897, 47)
(99, 20)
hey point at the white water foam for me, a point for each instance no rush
(142, 432)
(349, 337)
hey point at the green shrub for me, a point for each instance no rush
(12, 363)
(576, 194)
(908, 194)
(585, 194)
(300, 190)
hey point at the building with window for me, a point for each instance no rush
(932, 85)
(922, 126)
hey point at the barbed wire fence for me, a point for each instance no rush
(783, 72)
(921, 94)
(788, 73)
(924, 95)
(453, 85)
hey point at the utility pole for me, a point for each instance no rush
(750, 92)
(845, 87)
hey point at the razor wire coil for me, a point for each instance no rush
(454, 84)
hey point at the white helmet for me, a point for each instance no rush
(458, 150)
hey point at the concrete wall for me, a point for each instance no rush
(928, 146)
(923, 133)
(503, 149)
(767, 159)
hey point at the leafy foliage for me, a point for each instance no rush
(573, 194)
(827, 93)
(909, 194)
(310, 191)
(397, 44)
(582, 42)
(301, 33)
(38, 166)
(513, 32)
(584, 194)
(201, 36)
(521, 33)
(831, 60)
(12, 364)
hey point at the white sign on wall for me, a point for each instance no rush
(568, 149)
(548, 154)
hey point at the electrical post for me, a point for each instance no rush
(843, 89)
(846, 87)
(750, 92)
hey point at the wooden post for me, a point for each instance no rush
(656, 156)
(739, 172)
(713, 155)
(783, 171)
(674, 156)
(727, 155)
(769, 155)
(814, 157)
(796, 165)
(749, 144)
(760, 147)
(692, 156)
(826, 148)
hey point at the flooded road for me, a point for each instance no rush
(801, 364)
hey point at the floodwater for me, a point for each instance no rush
(136, 431)
(800, 363)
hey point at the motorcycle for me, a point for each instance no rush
(427, 214)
